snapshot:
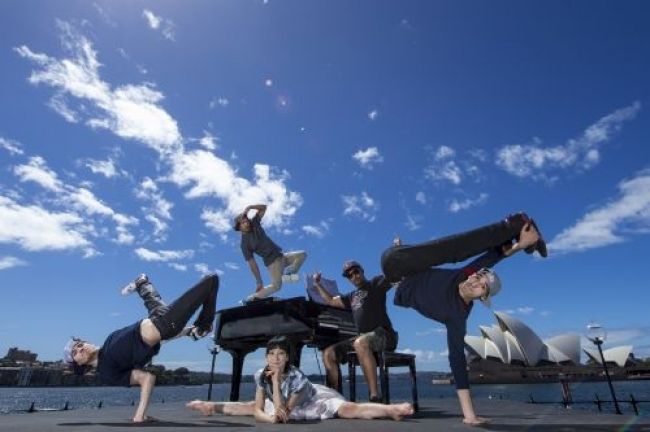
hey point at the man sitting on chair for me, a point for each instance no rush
(368, 305)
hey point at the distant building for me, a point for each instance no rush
(20, 356)
(512, 342)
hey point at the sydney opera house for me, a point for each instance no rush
(510, 346)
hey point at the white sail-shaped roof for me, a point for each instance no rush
(530, 344)
(495, 335)
(568, 345)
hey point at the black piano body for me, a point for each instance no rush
(241, 330)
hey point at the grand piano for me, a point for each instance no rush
(241, 330)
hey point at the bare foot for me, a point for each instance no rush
(206, 408)
(398, 411)
(476, 421)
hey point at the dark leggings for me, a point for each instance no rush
(400, 261)
(171, 319)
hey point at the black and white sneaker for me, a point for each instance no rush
(134, 284)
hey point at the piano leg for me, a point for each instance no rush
(296, 353)
(237, 367)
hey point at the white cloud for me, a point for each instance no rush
(426, 356)
(204, 269)
(13, 147)
(534, 161)
(38, 172)
(177, 266)
(368, 157)
(412, 222)
(444, 152)
(207, 175)
(457, 205)
(220, 101)
(158, 210)
(363, 206)
(35, 229)
(432, 331)
(317, 230)
(155, 22)
(372, 115)
(163, 255)
(421, 197)
(445, 168)
(74, 199)
(231, 265)
(627, 214)
(130, 111)
(60, 106)
(8, 262)
(107, 168)
(133, 113)
(208, 141)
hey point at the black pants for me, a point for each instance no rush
(400, 261)
(171, 319)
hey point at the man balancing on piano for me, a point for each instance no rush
(126, 352)
(447, 295)
(282, 267)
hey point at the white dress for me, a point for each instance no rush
(324, 404)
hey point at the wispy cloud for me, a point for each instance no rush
(129, 111)
(373, 114)
(164, 25)
(219, 101)
(541, 163)
(426, 356)
(108, 168)
(458, 205)
(317, 230)
(523, 310)
(363, 206)
(133, 112)
(368, 158)
(36, 229)
(421, 197)
(72, 198)
(445, 168)
(158, 209)
(8, 262)
(629, 214)
(13, 147)
(231, 265)
(163, 255)
(204, 269)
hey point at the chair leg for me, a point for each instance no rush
(352, 376)
(383, 378)
(414, 385)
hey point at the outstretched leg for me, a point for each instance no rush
(352, 410)
(400, 261)
(227, 408)
(178, 313)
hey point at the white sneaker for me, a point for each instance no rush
(133, 285)
(290, 278)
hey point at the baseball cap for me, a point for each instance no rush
(493, 283)
(67, 350)
(349, 265)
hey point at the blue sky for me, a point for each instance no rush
(132, 132)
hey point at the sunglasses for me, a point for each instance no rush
(353, 271)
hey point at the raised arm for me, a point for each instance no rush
(331, 301)
(259, 208)
(146, 381)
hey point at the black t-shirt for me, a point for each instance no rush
(257, 241)
(368, 305)
(123, 351)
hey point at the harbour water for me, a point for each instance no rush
(17, 399)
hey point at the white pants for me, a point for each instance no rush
(288, 263)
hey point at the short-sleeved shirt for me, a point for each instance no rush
(293, 383)
(368, 305)
(256, 241)
(123, 351)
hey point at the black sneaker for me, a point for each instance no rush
(540, 246)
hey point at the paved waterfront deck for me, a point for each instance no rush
(439, 415)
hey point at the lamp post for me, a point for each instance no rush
(597, 334)
(214, 350)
